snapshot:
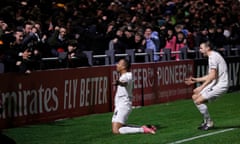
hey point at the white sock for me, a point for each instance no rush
(204, 111)
(130, 130)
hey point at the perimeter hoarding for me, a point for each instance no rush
(165, 82)
(54, 94)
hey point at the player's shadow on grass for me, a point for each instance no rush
(6, 140)
(226, 126)
(159, 127)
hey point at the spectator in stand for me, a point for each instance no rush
(18, 58)
(180, 43)
(31, 43)
(75, 56)
(162, 36)
(139, 46)
(211, 33)
(219, 40)
(31, 37)
(178, 28)
(57, 42)
(129, 37)
(110, 31)
(171, 40)
(13, 50)
(41, 39)
(191, 44)
(3, 28)
(232, 35)
(155, 38)
(71, 53)
(28, 35)
(117, 43)
(202, 36)
(151, 42)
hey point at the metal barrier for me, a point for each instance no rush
(110, 56)
(232, 51)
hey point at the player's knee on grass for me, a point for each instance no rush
(115, 131)
(116, 127)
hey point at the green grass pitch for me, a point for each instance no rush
(175, 121)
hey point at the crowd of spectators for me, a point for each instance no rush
(34, 29)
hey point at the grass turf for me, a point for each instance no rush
(175, 121)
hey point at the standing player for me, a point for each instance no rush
(123, 102)
(212, 85)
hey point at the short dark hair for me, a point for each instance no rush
(127, 63)
(73, 43)
(208, 44)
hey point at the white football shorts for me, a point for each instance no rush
(121, 114)
(211, 93)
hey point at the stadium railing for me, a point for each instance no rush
(110, 56)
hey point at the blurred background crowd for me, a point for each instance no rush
(34, 29)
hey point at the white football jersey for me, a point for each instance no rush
(216, 61)
(123, 95)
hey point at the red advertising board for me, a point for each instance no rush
(54, 94)
(145, 76)
(163, 81)
(170, 78)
